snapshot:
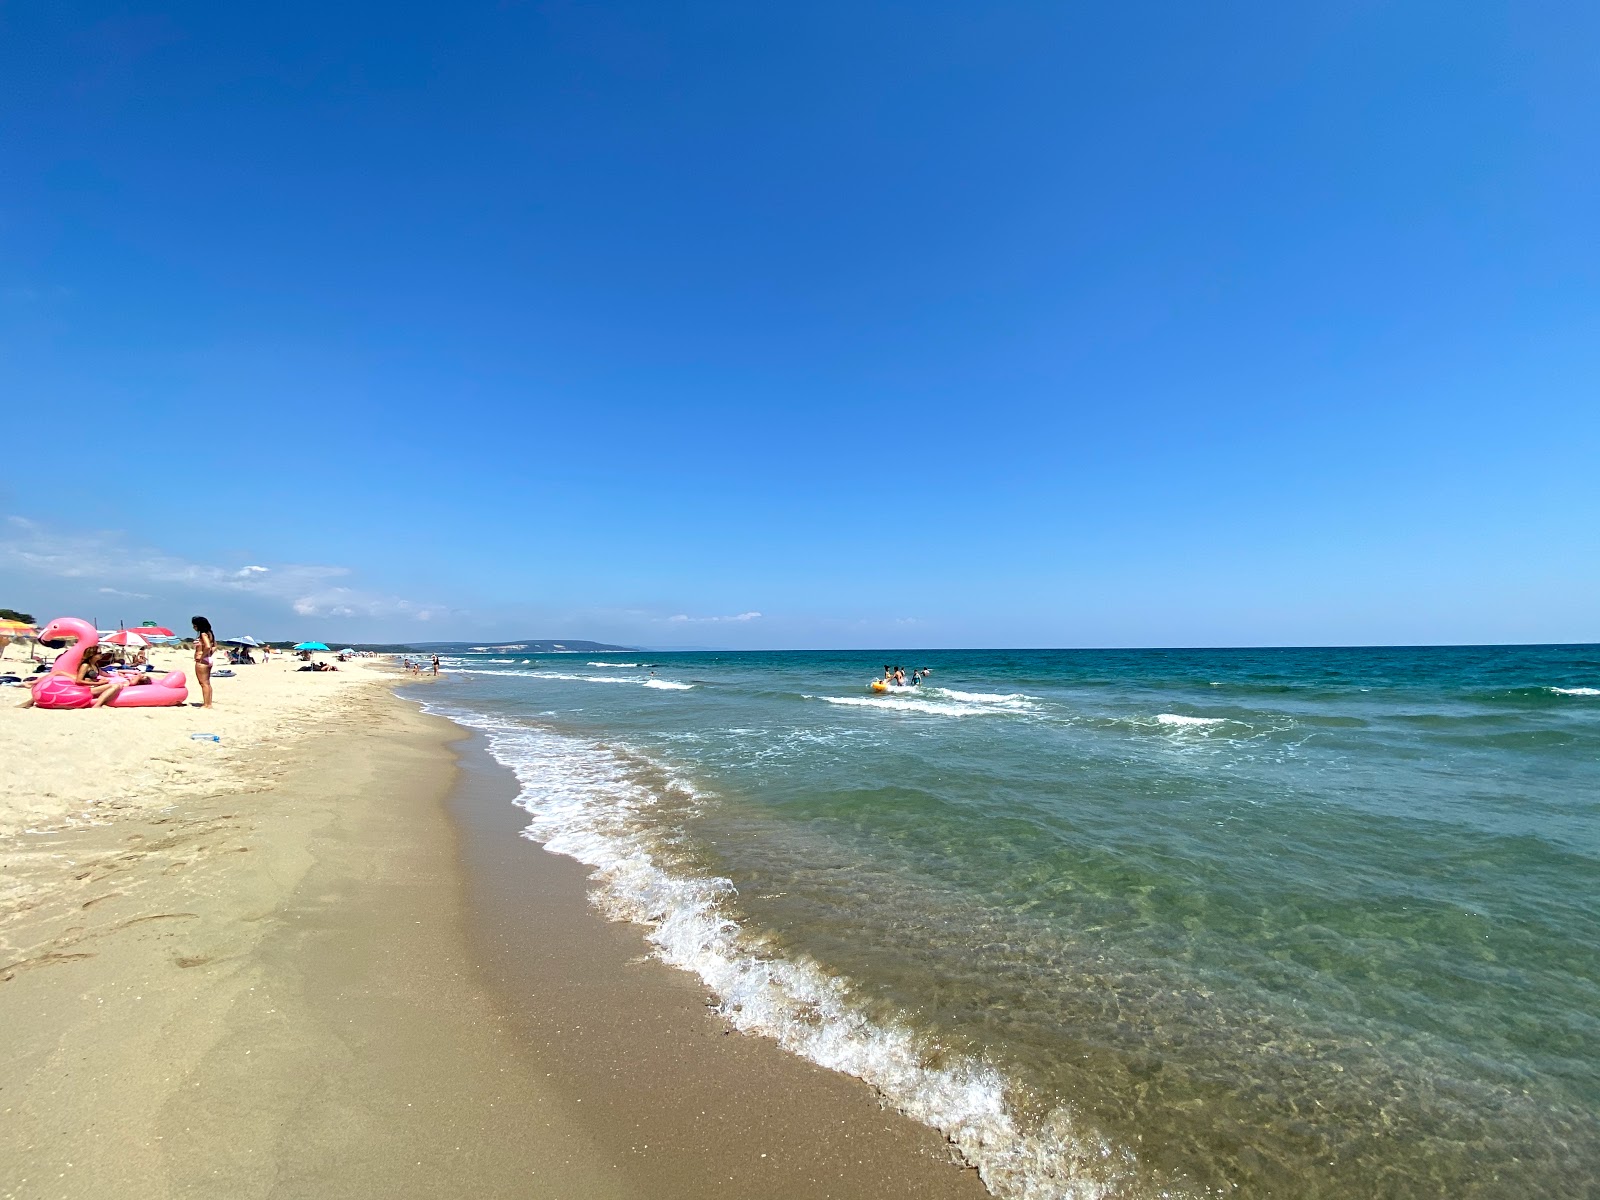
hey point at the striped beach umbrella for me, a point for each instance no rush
(127, 637)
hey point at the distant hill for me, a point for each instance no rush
(530, 646)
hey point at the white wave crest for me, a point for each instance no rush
(1578, 691)
(597, 664)
(1189, 722)
(1011, 700)
(981, 697)
(909, 706)
(665, 685)
(583, 804)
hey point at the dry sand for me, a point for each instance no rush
(74, 767)
(275, 966)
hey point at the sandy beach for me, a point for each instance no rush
(313, 959)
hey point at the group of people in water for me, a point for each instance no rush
(897, 676)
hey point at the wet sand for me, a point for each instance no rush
(354, 979)
(269, 995)
(686, 1106)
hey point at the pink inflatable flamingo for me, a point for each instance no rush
(59, 689)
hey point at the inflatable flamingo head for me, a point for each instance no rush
(70, 627)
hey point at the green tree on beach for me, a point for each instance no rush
(11, 614)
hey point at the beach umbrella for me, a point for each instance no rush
(127, 637)
(347, 650)
(243, 641)
(14, 631)
(310, 646)
(154, 631)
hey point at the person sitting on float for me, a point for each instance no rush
(95, 674)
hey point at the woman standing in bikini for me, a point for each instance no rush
(205, 643)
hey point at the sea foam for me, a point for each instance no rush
(665, 685)
(938, 702)
(584, 803)
(893, 704)
(1189, 722)
(1012, 700)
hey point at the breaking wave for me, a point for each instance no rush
(1189, 722)
(584, 802)
(665, 685)
(893, 704)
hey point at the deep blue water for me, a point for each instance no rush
(1311, 923)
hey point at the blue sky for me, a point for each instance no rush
(828, 325)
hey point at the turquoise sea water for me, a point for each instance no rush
(1309, 923)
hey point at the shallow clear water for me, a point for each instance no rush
(1313, 923)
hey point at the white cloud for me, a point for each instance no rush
(111, 591)
(308, 590)
(744, 616)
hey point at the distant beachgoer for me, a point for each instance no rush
(435, 664)
(205, 645)
(899, 677)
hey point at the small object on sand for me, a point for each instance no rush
(204, 737)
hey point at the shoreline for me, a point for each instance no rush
(268, 995)
(334, 969)
(687, 1104)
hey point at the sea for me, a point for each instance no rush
(1307, 923)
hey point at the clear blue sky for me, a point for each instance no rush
(896, 324)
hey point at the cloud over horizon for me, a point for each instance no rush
(113, 560)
